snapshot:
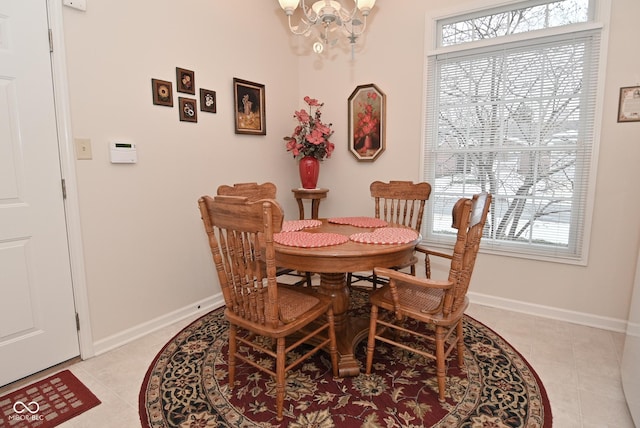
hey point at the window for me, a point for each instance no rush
(510, 109)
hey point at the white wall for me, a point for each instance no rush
(145, 252)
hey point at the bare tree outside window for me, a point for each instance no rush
(505, 21)
(515, 120)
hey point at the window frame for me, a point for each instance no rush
(598, 21)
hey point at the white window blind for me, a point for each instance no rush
(517, 120)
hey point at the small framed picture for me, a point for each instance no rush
(188, 109)
(367, 123)
(162, 92)
(207, 100)
(629, 106)
(186, 81)
(249, 108)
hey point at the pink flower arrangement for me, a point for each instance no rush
(368, 118)
(311, 136)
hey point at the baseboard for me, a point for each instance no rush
(605, 323)
(131, 334)
(210, 303)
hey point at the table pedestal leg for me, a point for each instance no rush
(349, 331)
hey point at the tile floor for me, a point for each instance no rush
(579, 367)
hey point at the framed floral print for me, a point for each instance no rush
(162, 92)
(186, 81)
(188, 110)
(367, 122)
(207, 100)
(249, 107)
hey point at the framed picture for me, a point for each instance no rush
(188, 109)
(207, 100)
(629, 106)
(186, 81)
(162, 92)
(367, 123)
(249, 107)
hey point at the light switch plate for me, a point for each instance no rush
(83, 148)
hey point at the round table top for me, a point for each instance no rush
(347, 257)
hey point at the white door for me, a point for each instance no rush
(37, 313)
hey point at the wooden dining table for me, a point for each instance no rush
(333, 262)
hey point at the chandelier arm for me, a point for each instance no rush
(296, 29)
(353, 35)
(348, 16)
(308, 13)
(350, 30)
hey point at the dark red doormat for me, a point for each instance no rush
(46, 403)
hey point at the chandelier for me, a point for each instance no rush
(328, 16)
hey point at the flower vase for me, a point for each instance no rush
(366, 145)
(309, 168)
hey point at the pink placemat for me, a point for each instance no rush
(359, 221)
(309, 240)
(386, 235)
(294, 225)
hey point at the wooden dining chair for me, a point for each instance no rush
(240, 236)
(398, 203)
(252, 191)
(438, 303)
(255, 192)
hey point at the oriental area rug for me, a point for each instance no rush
(186, 386)
(46, 403)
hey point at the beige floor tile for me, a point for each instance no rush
(601, 411)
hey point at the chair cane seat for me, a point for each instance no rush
(410, 298)
(293, 304)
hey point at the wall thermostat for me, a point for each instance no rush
(123, 153)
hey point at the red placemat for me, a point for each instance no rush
(309, 240)
(359, 221)
(386, 235)
(294, 225)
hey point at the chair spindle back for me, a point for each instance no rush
(469, 217)
(400, 202)
(241, 241)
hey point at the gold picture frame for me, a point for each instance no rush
(249, 107)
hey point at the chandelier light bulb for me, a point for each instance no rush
(365, 6)
(318, 47)
(289, 6)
